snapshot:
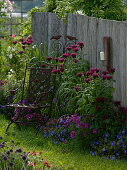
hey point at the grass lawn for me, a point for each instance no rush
(61, 157)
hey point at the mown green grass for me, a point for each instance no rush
(61, 157)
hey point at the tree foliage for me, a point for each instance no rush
(107, 9)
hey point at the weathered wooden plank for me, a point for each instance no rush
(39, 27)
(82, 34)
(56, 27)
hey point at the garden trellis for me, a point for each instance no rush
(15, 15)
(91, 31)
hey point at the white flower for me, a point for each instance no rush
(10, 56)
(9, 48)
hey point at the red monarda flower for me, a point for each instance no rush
(75, 60)
(79, 74)
(109, 77)
(56, 59)
(100, 99)
(23, 47)
(74, 46)
(104, 77)
(87, 80)
(61, 69)
(112, 70)
(21, 39)
(49, 58)
(14, 42)
(61, 65)
(55, 71)
(75, 49)
(43, 65)
(76, 88)
(81, 44)
(69, 48)
(89, 73)
(65, 55)
(95, 69)
(73, 54)
(23, 42)
(95, 75)
(117, 102)
(105, 72)
(61, 60)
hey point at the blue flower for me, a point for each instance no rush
(106, 135)
(113, 158)
(96, 143)
(62, 139)
(52, 133)
(117, 154)
(123, 131)
(92, 153)
(125, 151)
(56, 142)
(105, 140)
(119, 137)
(112, 143)
(123, 146)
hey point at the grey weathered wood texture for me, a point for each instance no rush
(91, 31)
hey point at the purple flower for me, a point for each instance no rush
(21, 52)
(72, 134)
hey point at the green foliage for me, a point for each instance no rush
(108, 9)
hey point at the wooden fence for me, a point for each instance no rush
(91, 31)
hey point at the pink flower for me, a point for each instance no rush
(72, 134)
(13, 36)
(84, 125)
(49, 58)
(69, 48)
(61, 60)
(79, 74)
(87, 80)
(73, 54)
(81, 44)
